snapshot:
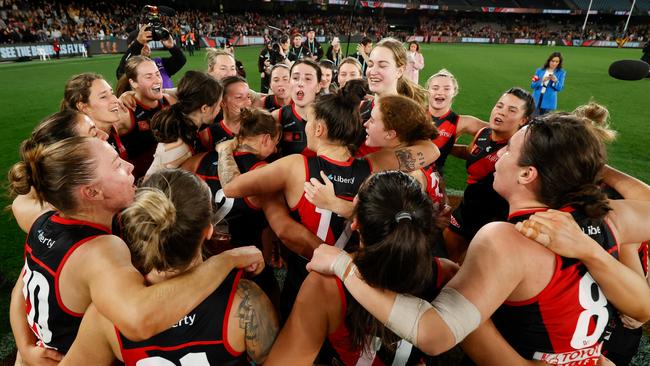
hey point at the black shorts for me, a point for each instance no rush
(480, 205)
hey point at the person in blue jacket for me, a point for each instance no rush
(547, 82)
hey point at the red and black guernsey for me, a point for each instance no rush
(481, 204)
(214, 134)
(347, 177)
(116, 142)
(446, 124)
(271, 103)
(139, 142)
(404, 354)
(566, 323)
(245, 221)
(50, 242)
(199, 338)
(294, 140)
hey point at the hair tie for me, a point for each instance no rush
(403, 215)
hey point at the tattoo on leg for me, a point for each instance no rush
(258, 320)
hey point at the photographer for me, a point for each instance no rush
(646, 53)
(167, 66)
(272, 53)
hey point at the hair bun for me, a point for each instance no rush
(354, 91)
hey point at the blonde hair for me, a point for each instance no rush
(54, 171)
(405, 86)
(444, 73)
(598, 116)
(211, 55)
(164, 225)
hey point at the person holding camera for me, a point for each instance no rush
(547, 82)
(272, 54)
(167, 66)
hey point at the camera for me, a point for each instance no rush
(151, 17)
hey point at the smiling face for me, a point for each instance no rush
(326, 77)
(441, 93)
(508, 115)
(348, 71)
(148, 83)
(413, 47)
(236, 97)
(102, 106)
(383, 72)
(304, 84)
(223, 67)
(555, 61)
(280, 82)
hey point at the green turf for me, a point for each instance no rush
(32, 90)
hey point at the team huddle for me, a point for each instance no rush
(341, 184)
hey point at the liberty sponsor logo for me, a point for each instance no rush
(49, 243)
(340, 179)
(187, 320)
(591, 230)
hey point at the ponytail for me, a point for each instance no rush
(255, 122)
(412, 90)
(164, 226)
(170, 124)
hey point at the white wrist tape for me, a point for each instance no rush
(461, 316)
(340, 264)
(405, 316)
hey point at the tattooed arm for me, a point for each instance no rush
(409, 158)
(227, 167)
(255, 319)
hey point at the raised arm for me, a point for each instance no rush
(470, 125)
(119, 292)
(407, 159)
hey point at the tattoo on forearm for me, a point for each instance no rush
(227, 167)
(405, 159)
(258, 320)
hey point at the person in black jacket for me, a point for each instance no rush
(646, 53)
(298, 51)
(313, 46)
(271, 54)
(167, 66)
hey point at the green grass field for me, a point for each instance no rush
(32, 90)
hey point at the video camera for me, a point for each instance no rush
(151, 17)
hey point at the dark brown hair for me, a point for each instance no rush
(195, 90)
(255, 122)
(130, 73)
(569, 157)
(404, 246)
(550, 57)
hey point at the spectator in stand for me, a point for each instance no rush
(297, 50)
(547, 82)
(168, 66)
(327, 75)
(363, 53)
(334, 52)
(271, 54)
(415, 62)
(314, 47)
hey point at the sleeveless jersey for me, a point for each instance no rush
(245, 221)
(331, 228)
(483, 157)
(446, 139)
(199, 338)
(566, 323)
(294, 140)
(643, 255)
(116, 142)
(404, 354)
(50, 242)
(214, 134)
(433, 188)
(139, 141)
(271, 103)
